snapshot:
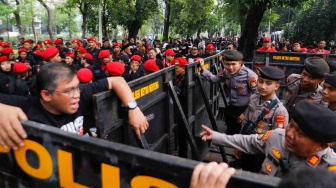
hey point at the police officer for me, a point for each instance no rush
(277, 117)
(240, 83)
(302, 144)
(306, 86)
(329, 90)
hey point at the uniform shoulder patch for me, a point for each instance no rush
(268, 167)
(259, 137)
(276, 153)
(267, 134)
(280, 121)
(313, 160)
(253, 82)
(332, 168)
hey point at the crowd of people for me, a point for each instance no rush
(52, 82)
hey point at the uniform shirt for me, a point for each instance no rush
(262, 49)
(94, 52)
(99, 71)
(34, 110)
(272, 145)
(276, 118)
(239, 86)
(293, 95)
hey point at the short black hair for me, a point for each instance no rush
(50, 75)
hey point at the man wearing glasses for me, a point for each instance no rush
(266, 46)
(62, 103)
(194, 54)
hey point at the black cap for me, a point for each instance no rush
(105, 40)
(67, 43)
(317, 121)
(316, 66)
(114, 40)
(271, 73)
(232, 55)
(125, 59)
(330, 78)
(125, 46)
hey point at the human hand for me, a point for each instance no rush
(206, 134)
(211, 175)
(138, 121)
(240, 118)
(11, 130)
(201, 61)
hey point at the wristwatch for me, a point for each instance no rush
(132, 105)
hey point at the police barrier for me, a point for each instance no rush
(195, 109)
(54, 158)
(154, 101)
(289, 62)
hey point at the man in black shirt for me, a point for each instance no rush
(61, 103)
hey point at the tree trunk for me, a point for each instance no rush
(248, 39)
(166, 20)
(84, 9)
(7, 25)
(69, 22)
(49, 25)
(18, 18)
(133, 29)
(33, 28)
(104, 19)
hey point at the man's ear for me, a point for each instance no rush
(45, 95)
(277, 86)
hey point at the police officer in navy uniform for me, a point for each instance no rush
(304, 142)
(306, 86)
(277, 117)
(240, 83)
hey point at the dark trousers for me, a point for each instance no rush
(231, 115)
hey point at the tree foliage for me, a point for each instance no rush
(315, 23)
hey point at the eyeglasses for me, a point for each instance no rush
(71, 92)
(194, 49)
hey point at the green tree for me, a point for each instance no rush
(5, 11)
(15, 11)
(316, 22)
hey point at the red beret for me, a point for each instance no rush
(88, 56)
(266, 39)
(84, 75)
(150, 66)
(3, 58)
(38, 53)
(104, 53)
(38, 45)
(170, 52)
(22, 50)
(6, 44)
(181, 62)
(27, 41)
(20, 68)
(135, 58)
(76, 41)
(7, 51)
(70, 54)
(301, 50)
(115, 68)
(58, 41)
(91, 39)
(98, 43)
(118, 44)
(197, 58)
(48, 41)
(210, 47)
(50, 53)
(81, 50)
